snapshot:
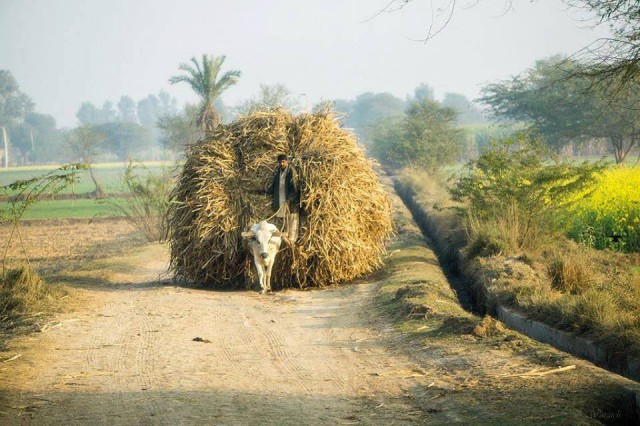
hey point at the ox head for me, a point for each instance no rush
(263, 233)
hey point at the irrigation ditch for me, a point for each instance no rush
(469, 290)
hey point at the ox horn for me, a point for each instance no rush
(248, 235)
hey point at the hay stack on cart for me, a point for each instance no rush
(345, 212)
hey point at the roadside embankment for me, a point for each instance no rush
(490, 373)
(492, 284)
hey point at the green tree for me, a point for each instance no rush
(127, 109)
(88, 114)
(422, 92)
(560, 103)
(21, 137)
(152, 108)
(149, 110)
(178, 130)
(203, 79)
(270, 96)
(425, 137)
(368, 110)
(47, 139)
(14, 104)
(125, 139)
(168, 104)
(84, 143)
(467, 112)
(36, 134)
(108, 113)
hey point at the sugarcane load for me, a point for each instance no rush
(334, 223)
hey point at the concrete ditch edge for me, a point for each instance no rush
(566, 341)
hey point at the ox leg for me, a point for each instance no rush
(261, 276)
(268, 277)
(264, 284)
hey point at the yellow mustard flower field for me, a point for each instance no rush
(610, 216)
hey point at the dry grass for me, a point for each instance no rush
(222, 191)
(569, 275)
(55, 244)
(593, 292)
(55, 250)
(22, 293)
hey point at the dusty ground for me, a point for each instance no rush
(61, 244)
(125, 354)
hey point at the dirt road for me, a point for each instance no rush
(292, 358)
(136, 349)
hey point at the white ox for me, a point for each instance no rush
(264, 243)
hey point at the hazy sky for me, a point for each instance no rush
(64, 52)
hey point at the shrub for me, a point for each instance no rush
(146, 205)
(569, 276)
(425, 137)
(21, 291)
(483, 244)
(519, 187)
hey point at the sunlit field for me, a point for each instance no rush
(610, 216)
(108, 175)
(83, 208)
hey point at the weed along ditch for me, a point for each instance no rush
(468, 279)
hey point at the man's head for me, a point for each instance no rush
(283, 161)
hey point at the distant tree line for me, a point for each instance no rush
(24, 133)
(567, 108)
(123, 130)
(417, 130)
(365, 113)
(118, 131)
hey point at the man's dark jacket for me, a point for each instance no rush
(291, 190)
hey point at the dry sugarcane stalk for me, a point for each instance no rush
(537, 373)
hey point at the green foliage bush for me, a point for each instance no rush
(518, 189)
(426, 137)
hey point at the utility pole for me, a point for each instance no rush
(30, 154)
(6, 147)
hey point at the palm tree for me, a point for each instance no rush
(203, 79)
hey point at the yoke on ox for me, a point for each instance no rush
(264, 243)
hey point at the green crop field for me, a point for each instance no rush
(108, 175)
(83, 208)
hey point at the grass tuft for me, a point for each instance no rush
(483, 244)
(569, 276)
(22, 292)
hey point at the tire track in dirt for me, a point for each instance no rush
(235, 345)
(377, 384)
(285, 361)
(144, 365)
